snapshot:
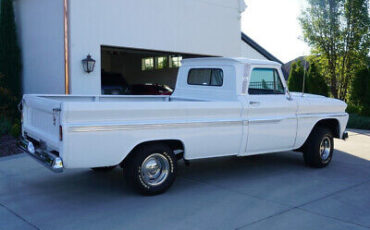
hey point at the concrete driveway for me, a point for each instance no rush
(273, 191)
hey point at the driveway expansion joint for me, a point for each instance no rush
(265, 218)
(19, 216)
(333, 193)
(334, 218)
(300, 207)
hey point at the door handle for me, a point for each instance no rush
(254, 102)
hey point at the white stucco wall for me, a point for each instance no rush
(209, 27)
(40, 26)
(249, 52)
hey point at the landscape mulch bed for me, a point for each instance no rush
(8, 146)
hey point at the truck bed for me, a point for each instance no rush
(91, 126)
(42, 112)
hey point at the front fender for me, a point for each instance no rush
(307, 122)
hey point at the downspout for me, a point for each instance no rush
(66, 48)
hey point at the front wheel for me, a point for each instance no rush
(318, 150)
(151, 169)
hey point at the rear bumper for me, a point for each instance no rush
(46, 158)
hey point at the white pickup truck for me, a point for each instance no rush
(220, 107)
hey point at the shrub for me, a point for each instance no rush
(8, 103)
(316, 82)
(351, 108)
(360, 91)
(15, 131)
(8, 113)
(5, 126)
(295, 80)
(10, 67)
(358, 122)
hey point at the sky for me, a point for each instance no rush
(274, 25)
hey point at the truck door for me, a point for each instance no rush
(272, 120)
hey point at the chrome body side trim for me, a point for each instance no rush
(264, 121)
(150, 125)
(270, 120)
(169, 124)
(321, 115)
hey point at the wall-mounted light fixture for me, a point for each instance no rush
(88, 64)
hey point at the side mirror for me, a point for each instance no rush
(288, 95)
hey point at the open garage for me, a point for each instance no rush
(138, 71)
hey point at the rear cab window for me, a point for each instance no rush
(206, 77)
(265, 81)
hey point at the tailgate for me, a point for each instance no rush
(41, 119)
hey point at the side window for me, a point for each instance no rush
(206, 77)
(265, 81)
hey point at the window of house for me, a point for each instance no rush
(206, 77)
(265, 81)
(176, 62)
(147, 63)
(162, 62)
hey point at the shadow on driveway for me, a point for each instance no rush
(220, 193)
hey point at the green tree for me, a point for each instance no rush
(360, 91)
(338, 33)
(295, 80)
(10, 60)
(315, 81)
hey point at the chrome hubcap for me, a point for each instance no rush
(325, 148)
(155, 169)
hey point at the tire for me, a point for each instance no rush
(103, 169)
(318, 149)
(151, 169)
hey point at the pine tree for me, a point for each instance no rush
(10, 59)
(315, 81)
(295, 80)
(360, 90)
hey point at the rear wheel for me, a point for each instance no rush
(151, 169)
(318, 150)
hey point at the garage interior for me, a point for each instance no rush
(124, 68)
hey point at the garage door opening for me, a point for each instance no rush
(127, 71)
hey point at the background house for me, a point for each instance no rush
(137, 41)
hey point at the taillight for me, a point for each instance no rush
(60, 133)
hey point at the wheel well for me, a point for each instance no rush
(332, 124)
(173, 144)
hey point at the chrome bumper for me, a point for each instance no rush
(46, 158)
(345, 136)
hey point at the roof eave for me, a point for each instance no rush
(259, 48)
